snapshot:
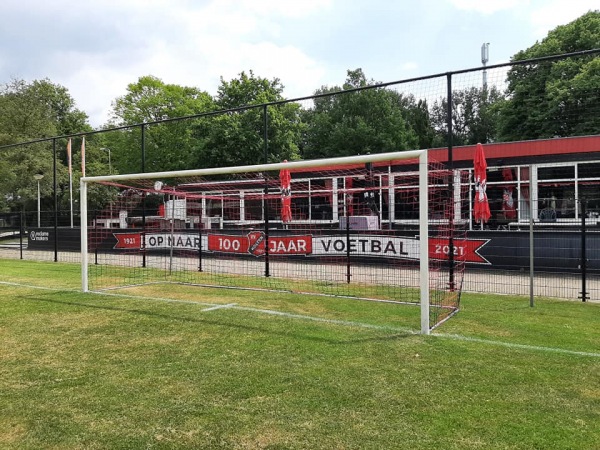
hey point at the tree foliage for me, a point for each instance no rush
(358, 122)
(168, 145)
(555, 98)
(29, 111)
(474, 116)
(236, 137)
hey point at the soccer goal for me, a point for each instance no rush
(372, 227)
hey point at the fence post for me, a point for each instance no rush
(143, 148)
(531, 243)
(266, 195)
(200, 244)
(348, 263)
(21, 230)
(55, 192)
(450, 186)
(97, 240)
(584, 295)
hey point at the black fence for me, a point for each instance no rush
(538, 102)
(537, 259)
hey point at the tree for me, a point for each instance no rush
(556, 98)
(29, 111)
(168, 145)
(359, 122)
(236, 137)
(475, 114)
(419, 118)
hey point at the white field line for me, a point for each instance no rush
(230, 305)
(212, 307)
(459, 337)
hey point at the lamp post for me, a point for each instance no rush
(109, 162)
(38, 177)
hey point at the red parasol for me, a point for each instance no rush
(481, 212)
(285, 179)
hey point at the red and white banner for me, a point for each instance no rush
(128, 241)
(254, 243)
(464, 249)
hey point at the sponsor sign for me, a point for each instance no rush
(38, 235)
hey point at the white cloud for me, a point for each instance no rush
(553, 13)
(190, 45)
(409, 66)
(296, 9)
(486, 6)
(95, 49)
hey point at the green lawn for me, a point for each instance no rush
(286, 371)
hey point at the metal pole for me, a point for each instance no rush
(172, 233)
(55, 194)
(84, 238)
(38, 177)
(143, 243)
(424, 242)
(97, 243)
(200, 246)
(584, 294)
(21, 231)
(348, 266)
(450, 187)
(531, 243)
(265, 202)
(38, 204)
(106, 149)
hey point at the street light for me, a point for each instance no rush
(38, 177)
(109, 163)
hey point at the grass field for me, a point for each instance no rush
(182, 367)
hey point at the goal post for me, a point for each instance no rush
(356, 227)
(424, 236)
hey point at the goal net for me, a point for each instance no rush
(351, 227)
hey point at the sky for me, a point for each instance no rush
(96, 48)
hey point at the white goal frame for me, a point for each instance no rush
(362, 159)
